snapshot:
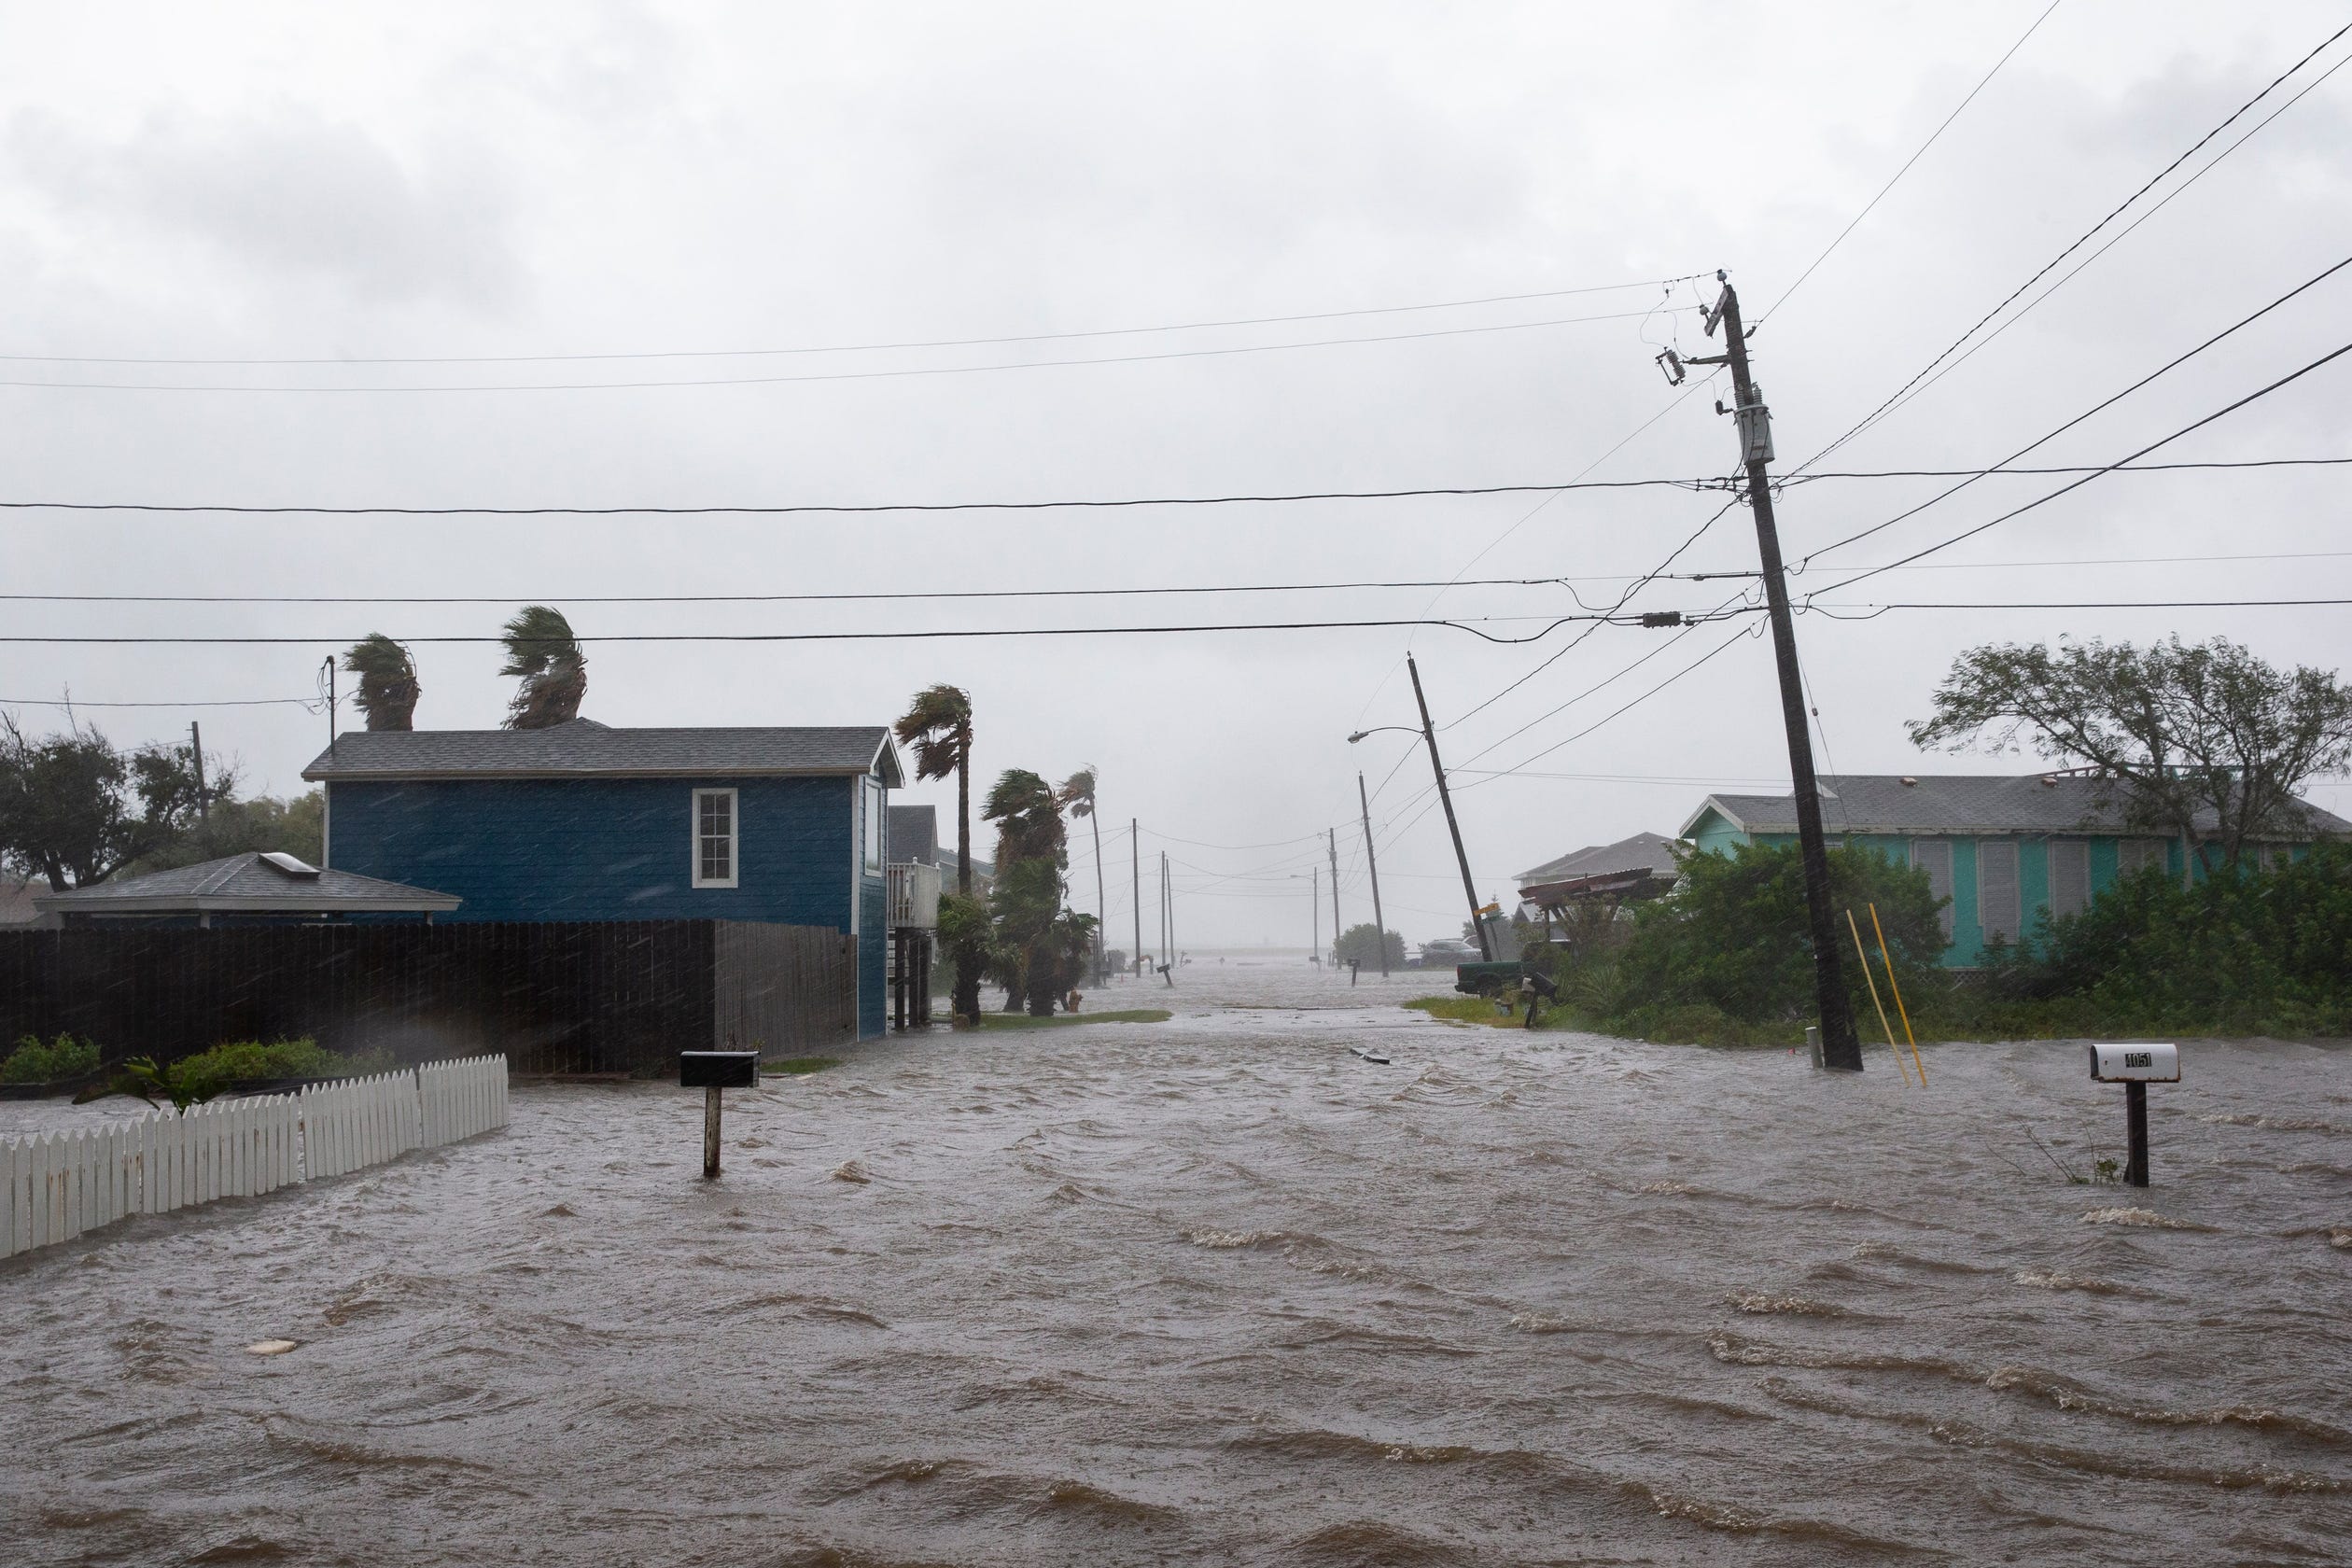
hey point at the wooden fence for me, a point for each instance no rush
(583, 997)
(56, 1186)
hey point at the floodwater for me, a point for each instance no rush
(1215, 1290)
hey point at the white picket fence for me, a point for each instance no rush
(56, 1186)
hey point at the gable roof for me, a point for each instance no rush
(253, 882)
(583, 748)
(1644, 851)
(1959, 803)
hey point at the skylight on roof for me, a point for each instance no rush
(288, 865)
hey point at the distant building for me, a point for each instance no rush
(17, 910)
(2007, 854)
(1639, 867)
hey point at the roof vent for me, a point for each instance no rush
(1910, 782)
(288, 865)
(2050, 781)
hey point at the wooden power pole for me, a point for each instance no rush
(1841, 1047)
(1379, 921)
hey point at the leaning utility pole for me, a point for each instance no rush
(1444, 797)
(1379, 921)
(1840, 1047)
(196, 753)
(1135, 866)
(1337, 929)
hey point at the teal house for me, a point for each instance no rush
(2005, 854)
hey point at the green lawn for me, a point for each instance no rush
(1061, 1020)
(801, 1064)
(1472, 1010)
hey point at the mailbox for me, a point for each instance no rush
(718, 1069)
(2135, 1064)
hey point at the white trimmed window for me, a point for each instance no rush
(871, 801)
(714, 830)
(1997, 889)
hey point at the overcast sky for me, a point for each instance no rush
(455, 182)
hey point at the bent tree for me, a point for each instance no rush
(2204, 742)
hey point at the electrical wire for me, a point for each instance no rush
(1549, 490)
(2103, 404)
(2126, 233)
(1867, 209)
(314, 703)
(831, 375)
(2288, 378)
(1877, 610)
(2082, 240)
(846, 348)
(1553, 624)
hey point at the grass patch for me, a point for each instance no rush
(801, 1064)
(1466, 1010)
(1062, 1020)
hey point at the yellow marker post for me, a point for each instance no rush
(1864, 954)
(1891, 986)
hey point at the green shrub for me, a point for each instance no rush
(63, 1058)
(1733, 938)
(239, 1061)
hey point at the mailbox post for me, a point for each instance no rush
(2135, 1067)
(712, 1071)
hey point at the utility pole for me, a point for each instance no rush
(1102, 902)
(1135, 866)
(1840, 1045)
(196, 750)
(1379, 921)
(1337, 928)
(1168, 919)
(1314, 912)
(1444, 797)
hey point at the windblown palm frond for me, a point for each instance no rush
(938, 725)
(388, 689)
(1077, 793)
(1027, 819)
(542, 651)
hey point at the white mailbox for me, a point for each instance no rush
(2135, 1064)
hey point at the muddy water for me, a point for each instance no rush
(1216, 1291)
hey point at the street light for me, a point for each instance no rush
(1445, 796)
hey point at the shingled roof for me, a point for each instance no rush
(585, 749)
(1959, 803)
(250, 883)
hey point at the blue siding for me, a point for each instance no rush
(619, 849)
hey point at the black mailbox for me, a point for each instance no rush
(718, 1070)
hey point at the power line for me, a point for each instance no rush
(2123, 234)
(1697, 483)
(843, 348)
(1915, 157)
(832, 375)
(2084, 239)
(312, 703)
(1551, 625)
(2064, 489)
(1597, 723)
(1877, 610)
(2044, 440)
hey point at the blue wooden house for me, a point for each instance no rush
(581, 821)
(2007, 854)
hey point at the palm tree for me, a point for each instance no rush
(1027, 815)
(387, 681)
(541, 650)
(1077, 797)
(938, 724)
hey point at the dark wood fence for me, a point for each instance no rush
(617, 997)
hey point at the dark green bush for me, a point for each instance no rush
(1731, 944)
(63, 1058)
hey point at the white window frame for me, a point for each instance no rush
(873, 827)
(695, 839)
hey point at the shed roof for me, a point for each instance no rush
(585, 749)
(1961, 803)
(251, 883)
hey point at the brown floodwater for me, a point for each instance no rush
(1216, 1291)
